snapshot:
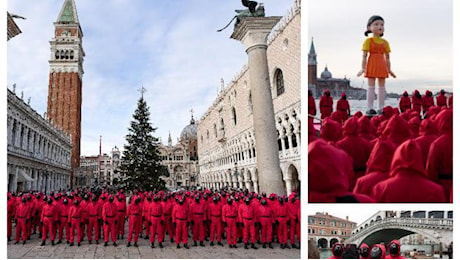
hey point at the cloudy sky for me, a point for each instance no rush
(419, 33)
(169, 47)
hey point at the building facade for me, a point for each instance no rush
(65, 78)
(181, 159)
(326, 230)
(326, 81)
(99, 170)
(38, 153)
(226, 143)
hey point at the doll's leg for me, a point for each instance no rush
(381, 94)
(370, 93)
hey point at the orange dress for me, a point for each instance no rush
(376, 66)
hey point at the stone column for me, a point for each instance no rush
(288, 186)
(253, 32)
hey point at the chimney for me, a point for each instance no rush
(346, 217)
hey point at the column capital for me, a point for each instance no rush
(253, 31)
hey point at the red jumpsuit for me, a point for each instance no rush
(378, 167)
(94, 214)
(427, 137)
(408, 182)
(168, 225)
(198, 216)
(311, 106)
(145, 216)
(109, 214)
(441, 100)
(366, 129)
(266, 218)
(121, 215)
(75, 220)
(344, 109)
(11, 207)
(215, 215)
(331, 130)
(246, 215)
(180, 216)
(363, 245)
(281, 214)
(427, 101)
(135, 217)
(22, 216)
(229, 216)
(398, 255)
(404, 103)
(49, 216)
(416, 101)
(84, 218)
(451, 101)
(31, 204)
(325, 106)
(37, 211)
(439, 163)
(294, 216)
(155, 216)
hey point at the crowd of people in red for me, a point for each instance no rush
(209, 215)
(377, 251)
(390, 157)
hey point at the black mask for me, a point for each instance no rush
(149, 199)
(364, 252)
(376, 253)
(66, 202)
(50, 201)
(214, 199)
(405, 94)
(281, 200)
(94, 198)
(181, 202)
(120, 199)
(328, 94)
(197, 199)
(293, 199)
(394, 249)
(137, 200)
(263, 202)
(246, 201)
(338, 250)
(75, 202)
(165, 198)
(111, 199)
(229, 201)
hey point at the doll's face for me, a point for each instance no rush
(377, 27)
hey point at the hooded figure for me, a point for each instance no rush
(441, 99)
(356, 147)
(377, 252)
(404, 102)
(337, 251)
(311, 104)
(329, 182)
(417, 101)
(414, 126)
(378, 167)
(427, 101)
(331, 130)
(311, 132)
(427, 136)
(366, 129)
(396, 130)
(364, 251)
(343, 107)
(325, 104)
(394, 250)
(439, 163)
(408, 181)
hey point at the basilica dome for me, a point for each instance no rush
(189, 132)
(326, 74)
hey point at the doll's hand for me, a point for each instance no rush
(392, 74)
(360, 73)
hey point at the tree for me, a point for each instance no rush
(141, 158)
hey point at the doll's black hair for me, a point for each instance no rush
(371, 20)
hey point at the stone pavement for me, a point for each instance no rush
(32, 249)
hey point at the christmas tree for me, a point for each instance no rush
(141, 162)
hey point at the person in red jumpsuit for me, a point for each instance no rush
(267, 218)
(84, 216)
(167, 210)
(343, 107)
(331, 130)
(451, 101)
(11, 208)
(427, 101)
(428, 134)
(247, 215)
(365, 129)
(364, 251)
(215, 215)
(439, 163)
(408, 179)
(441, 99)
(94, 214)
(394, 249)
(378, 167)
(135, 216)
(75, 222)
(22, 218)
(198, 218)
(404, 102)
(109, 216)
(337, 251)
(180, 218)
(49, 218)
(31, 204)
(145, 215)
(229, 217)
(329, 182)
(311, 104)
(357, 147)
(416, 101)
(121, 215)
(397, 130)
(156, 221)
(325, 104)
(281, 220)
(38, 205)
(294, 218)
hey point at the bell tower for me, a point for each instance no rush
(65, 78)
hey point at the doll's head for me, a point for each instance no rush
(375, 25)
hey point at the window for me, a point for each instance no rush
(279, 82)
(234, 115)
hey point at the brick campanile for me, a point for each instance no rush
(65, 78)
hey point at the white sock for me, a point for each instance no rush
(381, 95)
(370, 97)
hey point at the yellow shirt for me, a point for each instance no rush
(378, 40)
